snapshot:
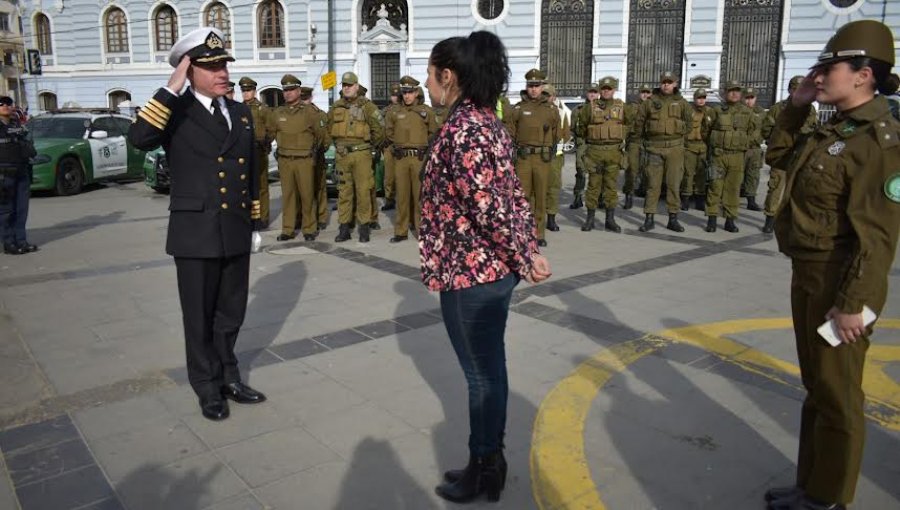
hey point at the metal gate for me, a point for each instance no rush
(566, 40)
(385, 72)
(751, 37)
(655, 41)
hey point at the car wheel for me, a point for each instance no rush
(69, 176)
(159, 188)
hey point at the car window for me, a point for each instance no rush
(123, 124)
(55, 127)
(107, 124)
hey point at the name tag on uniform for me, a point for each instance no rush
(526, 112)
(282, 119)
(401, 115)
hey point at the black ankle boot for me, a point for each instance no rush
(577, 203)
(700, 203)
(730, 226)
(673, 224)
(610, 225)
(551, 223)
(711, 224)
(629, 201)
(483, 475)
(752, 205)
(364, 233)
(769, 226)
(588, 224)
(685, 202)
(343, 233)
(649, 224)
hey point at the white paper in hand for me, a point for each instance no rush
(255, 242)
(829, 332)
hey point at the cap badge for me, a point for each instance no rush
(213, 42)
(836, 148)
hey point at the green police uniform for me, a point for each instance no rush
(753, 157)
(299, 133)
(695, 176)
(320, 165)
(580, 148)
(634, 154)
(534, 125)
(263, 136)
(839, 223)
(663, 121)
(775, 186)
(356, 127)
(554, 185)
(407, 131)
(733, 128)
(388, 158)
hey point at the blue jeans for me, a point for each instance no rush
(14, 197)
(476, 322)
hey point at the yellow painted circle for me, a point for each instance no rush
(560, 474)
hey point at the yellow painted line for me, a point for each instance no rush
(561, 476)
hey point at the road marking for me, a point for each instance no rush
(561, 476)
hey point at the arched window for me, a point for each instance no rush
(397, 12)
(116, 31)
(489, 10)
(118, 96)
(47, 101)
(42, 34)
(165, 23)
(271, 25)
(217, 16)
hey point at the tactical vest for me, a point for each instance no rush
(607, 121)
(295, 129)
(259, 112)
(411, 127)
(534, 124)
(666, 117)
(696, 134)
(349, 121)
(14, 150)
(729, 131)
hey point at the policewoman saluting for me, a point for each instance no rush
(839, 223)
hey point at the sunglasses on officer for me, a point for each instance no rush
(6, 101)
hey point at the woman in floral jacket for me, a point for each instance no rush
(477, 240)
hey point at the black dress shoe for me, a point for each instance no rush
(542, 242)
(776, 493)
(803, 502)
(322, 226)
(389, 205)
(284, 237)
(214, 408)
(11, 249)
(242, 394)
(374, 225)
(28, 247)
(309, 237)
(398, 239)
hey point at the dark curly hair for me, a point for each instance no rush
(480, 63)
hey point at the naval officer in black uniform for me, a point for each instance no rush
(213, 207)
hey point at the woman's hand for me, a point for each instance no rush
(849, 325)
(805, 93)
(179, 75)
(540, 270)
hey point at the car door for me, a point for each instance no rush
(135, 159)
(109, 154)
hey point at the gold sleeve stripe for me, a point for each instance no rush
(154, 116)
(159, 125)
(162, 108)
(159, 113)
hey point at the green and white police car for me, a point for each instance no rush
(79, 147)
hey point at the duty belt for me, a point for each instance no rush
(400, 152)
(605, 145)
(533, 150)
(678, 142)
(343, 150)
(294, 156)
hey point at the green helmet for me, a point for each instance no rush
(863, 38)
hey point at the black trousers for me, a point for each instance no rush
(213, 296)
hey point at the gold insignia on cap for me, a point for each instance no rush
(213, 41)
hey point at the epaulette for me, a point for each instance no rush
(887, 131)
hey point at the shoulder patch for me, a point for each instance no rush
(887, 132)
(892, 188)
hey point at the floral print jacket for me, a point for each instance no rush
(477, 226)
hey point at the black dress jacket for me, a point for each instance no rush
(214, 198)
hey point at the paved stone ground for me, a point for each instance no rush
(366, 401)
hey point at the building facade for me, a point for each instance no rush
(102, 52)
(13, 50)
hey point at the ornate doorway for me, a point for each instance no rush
(655, 41)
(751, 37)
(566, 39)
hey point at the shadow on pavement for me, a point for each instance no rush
(376, 480)
(154, 487)
(45, 235)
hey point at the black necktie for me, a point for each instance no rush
(218, 115)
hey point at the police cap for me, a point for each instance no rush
(749, 92)
(550, 90)
(204, 45)
(608, 82)
(349, 78)
(231, 86)
(246, 83)
(795, 82)
(592, 87)
(863, 38)
(289, 82)
(395, 89)
(668, 76)
(408, 83)
(699, 93)
(535, 77)
(306, 92)
(646, 88)
(733, 85)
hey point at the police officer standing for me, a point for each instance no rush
(634, 150)
(662, 122)
(776, 175)
(534, 125)
(408, 128)
(16, 150)
(590, 94)
(753, 158)
(733, 129)
(306, 97)
(355, 125)
(693, 184)
(300, 133)
(263, 135)
(387, 157)
(604, 125)
(213, 206)
(559, 158)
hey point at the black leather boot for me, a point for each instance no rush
(730, 226)
(629, 201)
(610, 224)
(551, 223)
(649, 224)
(588, 224)
(700, 203)
(711, 224)
(673, 224)
(685, 202)
(364, 233)
(752, 205)
(389, 205)
(769, 226)
(577, 203)
(343, 233)
(483, 475)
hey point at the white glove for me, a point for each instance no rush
(255, 242)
